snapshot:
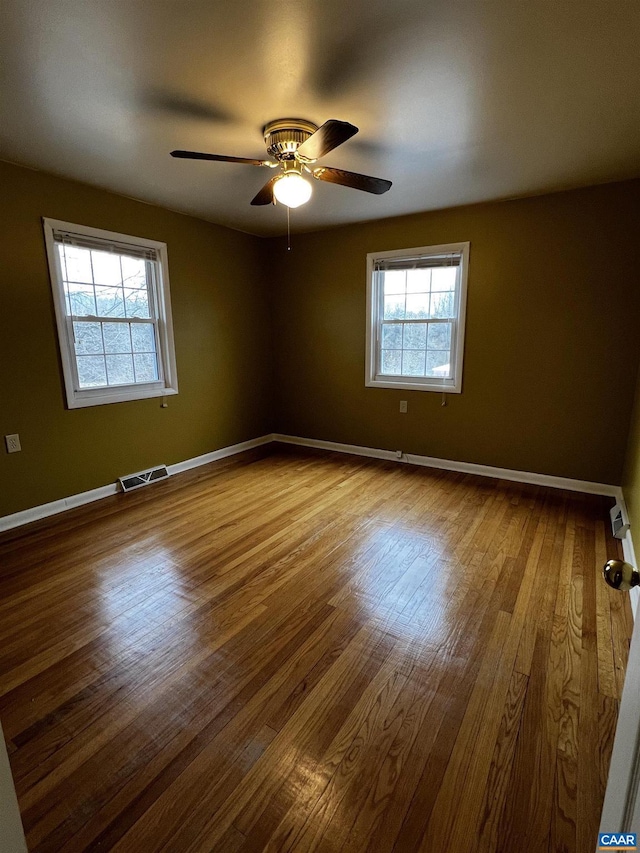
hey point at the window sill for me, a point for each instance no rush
(124, 395)
(409, 384)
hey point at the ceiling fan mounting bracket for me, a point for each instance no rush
(284, 136)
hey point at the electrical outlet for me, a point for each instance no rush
(398, 454)
(403, 407)
(13, 443)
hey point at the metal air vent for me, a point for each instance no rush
(619, 521)
(143, 478)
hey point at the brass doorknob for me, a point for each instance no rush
(620, 575)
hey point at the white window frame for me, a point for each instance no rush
(374, 379)
(160, 296)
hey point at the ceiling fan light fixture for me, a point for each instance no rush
(292, 189)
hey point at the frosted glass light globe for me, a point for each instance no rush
(292, 189)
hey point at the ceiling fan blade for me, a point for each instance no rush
(265, 196)
(197, 155)
(327, 137)
(352, 179)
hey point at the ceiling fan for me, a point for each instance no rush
(296, 144)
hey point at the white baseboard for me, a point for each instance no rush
(629, 554)
(44, 510)
(214, 455)
(630, 557)
(17, 519)
(462, 467)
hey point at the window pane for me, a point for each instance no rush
(142, 337)
(88, 338)
(134, 272)
(391, 361)
(415, 336)
(106, 268)
(91, 371)
(438, 364)
(115, 307)
(120, 369)
(136, 303)
(443, 278)
(109, 302)
(82, 301)
(418, 281)
(439, 336)
(77, 264)
(413, 363)
(394, 281)
(417, 306)
(116, 337)
(442, 304)
(394, 307)
(146, 367)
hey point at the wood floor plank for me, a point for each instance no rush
(297, 651)
(362, 741)
(214, 762)
(204, 705)
(496, 788)
(608, 683)
(563, 695)
(528, 810)
(457, 807)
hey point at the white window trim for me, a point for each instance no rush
(77, 398)
(373, 323)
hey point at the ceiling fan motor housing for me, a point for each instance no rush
(284, 136)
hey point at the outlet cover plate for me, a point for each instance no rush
(13, 443)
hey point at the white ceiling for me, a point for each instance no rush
(456, 101)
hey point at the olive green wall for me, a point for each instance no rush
(631, 475)
(222, 339)
(551, 343)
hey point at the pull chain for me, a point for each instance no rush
(288, 231)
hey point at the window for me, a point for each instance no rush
(111, 296)
(415, 318)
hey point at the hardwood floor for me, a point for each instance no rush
(313, 652)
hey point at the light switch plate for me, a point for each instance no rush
(403, 407)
